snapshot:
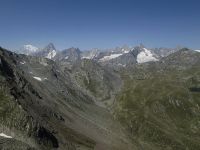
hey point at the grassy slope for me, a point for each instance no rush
(159, 109)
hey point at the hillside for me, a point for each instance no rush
(42, 107)
(159, 103)
(85, 105)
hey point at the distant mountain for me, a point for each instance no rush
(163, 52)
(70, 55)
(146, 56)
(48, 52)
(116, 58)
(124, 56)
(28, 50)
(182, 58)
(91, 54)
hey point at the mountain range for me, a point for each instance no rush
(116, 99)
(118, 57)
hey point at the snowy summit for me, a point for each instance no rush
(145, 56)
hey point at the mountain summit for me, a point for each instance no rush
(50, 46)
(48, 52)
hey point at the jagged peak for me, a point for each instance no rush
(141, 45)
(73, 49)
(50, 46)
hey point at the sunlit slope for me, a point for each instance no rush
(160, 103)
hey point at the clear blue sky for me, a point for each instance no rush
(99, 23)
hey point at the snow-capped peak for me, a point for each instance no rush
(145, 56)
(30, 48)
(197, 50)
(49, 51)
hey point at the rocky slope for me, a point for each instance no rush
(43, 108)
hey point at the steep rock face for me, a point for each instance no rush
(48, 110)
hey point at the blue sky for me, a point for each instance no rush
(99, 23)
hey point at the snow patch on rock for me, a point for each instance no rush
(37, 78)
(51, 54)
(5, 136)
(121, 65)
(125, 51)
(23, 62)
(86, 57)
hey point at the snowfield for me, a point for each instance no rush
(112, 56)
(145, 56)
(197, 50)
